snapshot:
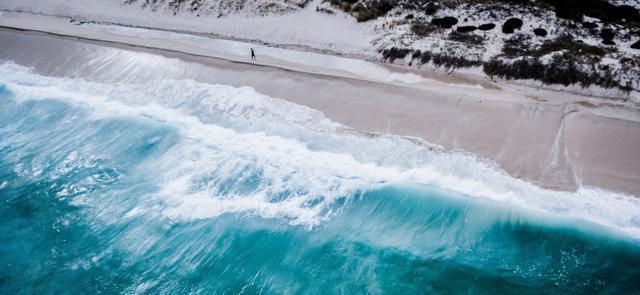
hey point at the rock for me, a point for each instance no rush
(636, 45)
(511, 25)
(445, 22)
(466, 29)
(487, 27)
(540, 32)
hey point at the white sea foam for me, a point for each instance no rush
(211, 170)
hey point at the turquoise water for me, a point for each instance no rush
(177, 187)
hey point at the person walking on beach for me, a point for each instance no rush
(253, 54)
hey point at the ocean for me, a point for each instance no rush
(180, 187)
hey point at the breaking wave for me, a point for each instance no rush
(181, 187)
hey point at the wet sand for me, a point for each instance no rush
(554, 139)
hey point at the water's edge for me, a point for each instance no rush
(516, 140)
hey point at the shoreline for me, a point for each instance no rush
(559, 141)
(65, 25)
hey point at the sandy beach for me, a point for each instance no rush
(553, 139)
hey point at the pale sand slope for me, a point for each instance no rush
(553, 140)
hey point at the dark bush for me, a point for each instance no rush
(530, 68)
(602, 9)
(607, 34)
(517, 46)
(567, 9)
(372, 9)
(608, 42)
(589, 25)
(636, 45)
(446, 61)
(363, 14)
(445, 22)
(487, 27)
(343, 4)
(409, 16)
(406, 6)
(324, 10)
(571, 46)
(431, 8)
(511, 25)
(422, 30)
(466, 29)
(562, 69)
(392, 54)
(425, 57)
(516, 1)
(176, 5)
(540, 32)
(466, 38)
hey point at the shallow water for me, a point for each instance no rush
(180, 187)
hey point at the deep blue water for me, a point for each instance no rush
(117, 195)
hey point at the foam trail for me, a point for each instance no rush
(195, 109)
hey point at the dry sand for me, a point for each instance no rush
(554, 139)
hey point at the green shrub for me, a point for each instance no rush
(447, 61)
(393, 53)
(372, 9)
(563, 69)
(446, 22)
(423, 30)
(517, 46)
(573, 47)
(471, 39)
